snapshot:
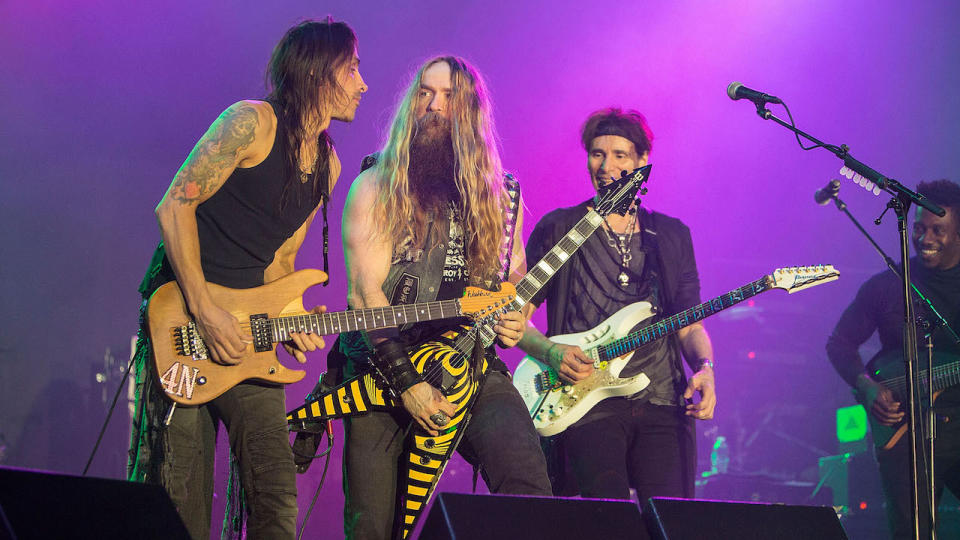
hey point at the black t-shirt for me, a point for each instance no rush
(243, 224)
(878, 307)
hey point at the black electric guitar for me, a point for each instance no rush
(445, 363)
(889, 370)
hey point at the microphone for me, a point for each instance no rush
(822, 196)
(737, 90)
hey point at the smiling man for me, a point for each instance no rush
(647, 439)
(878, 307)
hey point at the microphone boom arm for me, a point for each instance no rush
(889, 185)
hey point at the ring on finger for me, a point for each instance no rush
(439, 418)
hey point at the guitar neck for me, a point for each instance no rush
(679, 321)
(538, 276)
(944, 376)
(363, 319)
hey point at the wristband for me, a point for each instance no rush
(390, 358)
(705, 362)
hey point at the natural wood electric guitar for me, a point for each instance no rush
(554, 406)
(271, 312)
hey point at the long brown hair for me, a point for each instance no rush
(479, 177)
(302, 82)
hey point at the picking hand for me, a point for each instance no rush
(423, 401)
(702, 382)
(221, 332)
(570, 362)
(880, 401)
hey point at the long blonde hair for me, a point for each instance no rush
(479, 177)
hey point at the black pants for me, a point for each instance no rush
(500, 437)
(183, 462)
(895, 473)
(650, 448)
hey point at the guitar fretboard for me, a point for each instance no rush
(362, 319)
(676, 322)
(536, 278)
(944, 376)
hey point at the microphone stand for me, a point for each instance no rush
(900, 202)
(929, 326)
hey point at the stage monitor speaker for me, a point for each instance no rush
(684, 519)
(482, 517)
(46, 505)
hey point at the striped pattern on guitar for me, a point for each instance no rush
(444, 363)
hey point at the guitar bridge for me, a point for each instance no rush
(546, 381)
(187, 342)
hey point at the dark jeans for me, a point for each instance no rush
(255, 418)
(500, 437)
(895, 473)
(648, 447)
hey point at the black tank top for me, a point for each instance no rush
(242, 225)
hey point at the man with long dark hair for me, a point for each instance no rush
(878, 307)
(236, 214)
(432, 216)
(647, 439)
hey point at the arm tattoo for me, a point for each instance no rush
(216, 151)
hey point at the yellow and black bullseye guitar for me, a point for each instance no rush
(271, 312)
(445, 363)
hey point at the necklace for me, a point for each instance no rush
(305, 175)
(622, 246)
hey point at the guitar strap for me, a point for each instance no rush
(509, 224)
(653, 270)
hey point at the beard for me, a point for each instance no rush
(432, 172)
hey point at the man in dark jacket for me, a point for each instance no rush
(647, 439)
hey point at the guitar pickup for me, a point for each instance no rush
(262, 332)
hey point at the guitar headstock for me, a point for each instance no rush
(615, 197)
(798, 278)
(478, 303)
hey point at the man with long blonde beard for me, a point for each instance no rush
(422, 223)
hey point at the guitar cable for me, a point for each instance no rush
(323, 476)
(106, 421)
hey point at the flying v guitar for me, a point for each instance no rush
(445, 363)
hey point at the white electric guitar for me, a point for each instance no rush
(554, 406)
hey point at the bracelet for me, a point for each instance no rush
(706, 362)
(390, 358)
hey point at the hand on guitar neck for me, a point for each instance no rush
(304, 342)
(227, 340)
(509, 329)
(879, 400)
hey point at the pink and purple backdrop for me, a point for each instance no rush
(102, 101)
